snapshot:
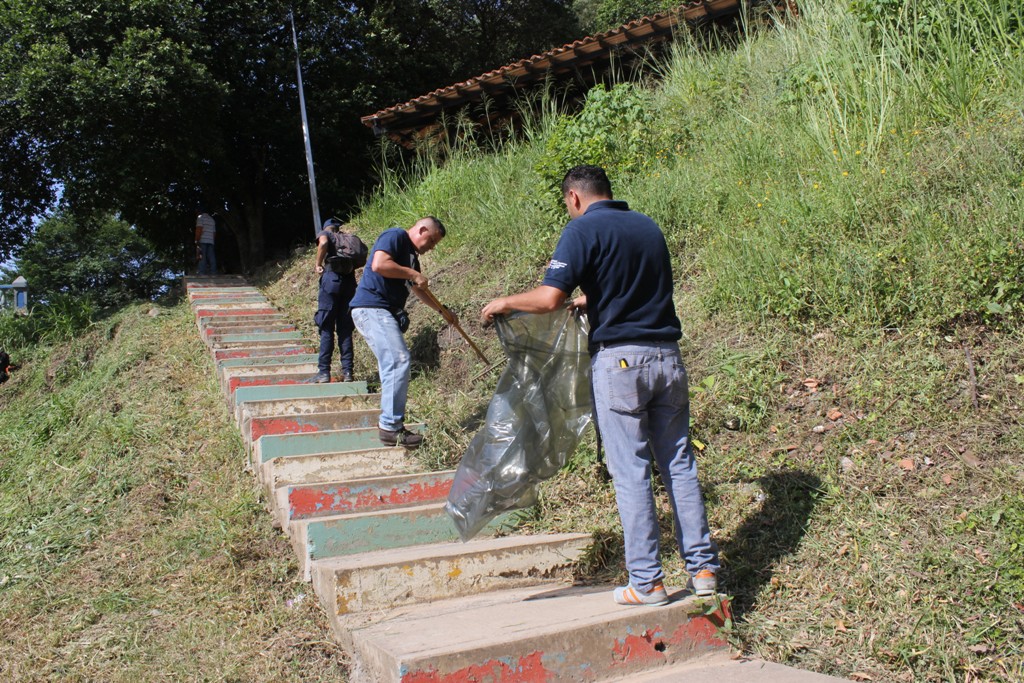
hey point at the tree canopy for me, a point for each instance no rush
(152, 108)
(100, 257)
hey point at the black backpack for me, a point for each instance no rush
(349, 253)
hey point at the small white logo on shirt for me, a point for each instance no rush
(556, 265)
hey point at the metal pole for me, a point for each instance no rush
(305, 133)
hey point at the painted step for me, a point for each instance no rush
(206, 291)
(308, 469)
(302, 406)
(204, 281)
(225, 341)
(247, 328)
(220, 311)
(243, 395)
(310, 422)
(364, 532)
(260, 351)
(208, 307)
(208, 320)
(231, 323)
(541, 633)
(294, 359)
(266, 375)
(226, 298)
(323, 499)
(267, 365)
(274, 446)
(267, 381)
(356, 589)
(722, 667)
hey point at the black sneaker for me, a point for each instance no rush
(401, 437)
(347, 377)
(322, 378)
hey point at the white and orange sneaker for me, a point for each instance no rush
(628, 595)
(703, 583)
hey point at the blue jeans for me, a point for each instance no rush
(208, 262)
(384, 338)
(643, 410)
(334, 317)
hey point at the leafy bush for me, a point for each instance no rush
(62, 318)
(613, 130)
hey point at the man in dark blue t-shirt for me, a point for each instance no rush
(620, 261)
(378, 310)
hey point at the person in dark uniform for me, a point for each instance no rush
(333, 315)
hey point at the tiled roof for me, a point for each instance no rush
(425, 108)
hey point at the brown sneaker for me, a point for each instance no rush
(401, 437)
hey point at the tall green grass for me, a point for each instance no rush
(844, 170)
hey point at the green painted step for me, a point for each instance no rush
(244, 395)
(336, 441)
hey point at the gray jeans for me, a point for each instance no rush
(642, 406)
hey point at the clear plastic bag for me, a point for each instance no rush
(540, 408)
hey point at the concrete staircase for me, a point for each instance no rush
(407, 599)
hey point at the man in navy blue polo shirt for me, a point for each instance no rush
(620, 261)
(378, 311)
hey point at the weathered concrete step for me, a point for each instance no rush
(258, 318)
(261, 351)
(226, 341)
(364, 532)
(220, 311)
(267, 376)
(227, 298)
(206, 291)
(543, 633)
(303, 406)
(192, 281)
(310, 422)
(267, 381)
(294, 359)
(205, 308)
(308, 469)
(357, 588)
(247, 328)
(244, 395)
(722, 667)
(335, 441)
(271, 365)
(240, 290)
(323, 499)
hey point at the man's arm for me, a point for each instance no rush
(321, 254)
(431, 300)
(543, 299)
(386, 266)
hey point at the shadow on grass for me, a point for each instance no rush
(425, 350)
(769, 535)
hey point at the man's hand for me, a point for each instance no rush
(419, 281)
(496, 307)
(579, 304)
(319, 269)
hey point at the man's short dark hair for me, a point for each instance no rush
(439, 224)
(588, 180)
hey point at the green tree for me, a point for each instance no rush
(101, 258)
(596, 16)
(153, 107)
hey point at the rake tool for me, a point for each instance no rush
(453, 321)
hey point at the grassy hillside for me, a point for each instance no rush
(843, 197)
(132, 544)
